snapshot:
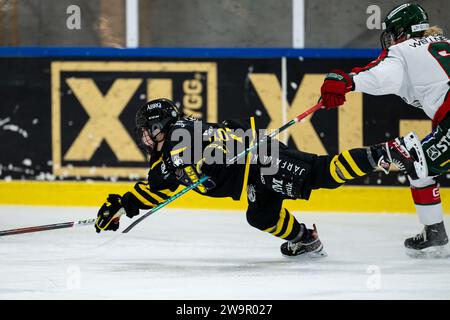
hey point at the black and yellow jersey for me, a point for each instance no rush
(183, 149)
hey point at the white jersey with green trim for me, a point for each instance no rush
(418, 70)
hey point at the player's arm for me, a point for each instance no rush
(382, 76)
(143, 195)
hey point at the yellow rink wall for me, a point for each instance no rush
(346, 198)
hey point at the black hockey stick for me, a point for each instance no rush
(54, 226)
(232, 160)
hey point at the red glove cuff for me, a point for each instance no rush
(337, 83)
(341, 76)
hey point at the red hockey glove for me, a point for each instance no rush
(337, 83)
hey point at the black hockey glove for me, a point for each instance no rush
(108, 216)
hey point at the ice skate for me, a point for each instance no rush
(406, 154)
(309, 245)
(430, 243)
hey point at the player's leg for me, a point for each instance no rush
(330, 172)
(427, 200)
(298, 172)
(266, 213)
(333, 171)
(436, 147)
(426, 196)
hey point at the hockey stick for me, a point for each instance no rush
(54, 226)
(88, 222)
(238, 156)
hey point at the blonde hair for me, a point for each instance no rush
(434, 30)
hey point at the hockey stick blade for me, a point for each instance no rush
(47, 227)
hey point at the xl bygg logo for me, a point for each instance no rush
(94, 103)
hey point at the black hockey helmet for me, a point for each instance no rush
(152, 119)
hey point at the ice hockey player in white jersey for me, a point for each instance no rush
(415, 65)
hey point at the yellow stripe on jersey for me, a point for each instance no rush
(141, 198)
(177, 151)
(156, 163)
(247, 164)
(145, 188)
(352, 163)
(167, 192)
(333, 170)
(344, 171)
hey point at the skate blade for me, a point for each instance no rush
(308, 255)
(315, 255)
(412, 142)
(437, 252)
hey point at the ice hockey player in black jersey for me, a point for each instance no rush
(183, 149)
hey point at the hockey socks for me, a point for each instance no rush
(300, 239)
(428, 205)
(351, 164)
(427, 200)
(287, 227)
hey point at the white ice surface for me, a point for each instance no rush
(212, 255)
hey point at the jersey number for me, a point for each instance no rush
(441, 52)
